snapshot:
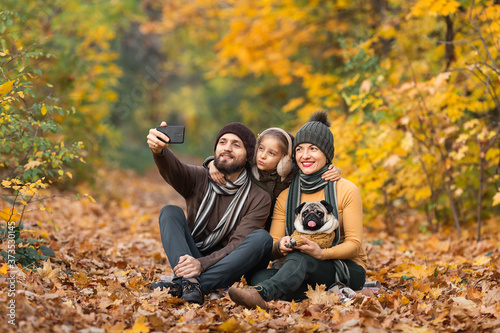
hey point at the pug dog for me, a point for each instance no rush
(316, 222)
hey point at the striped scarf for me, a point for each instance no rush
(240, 189)
(303, 183)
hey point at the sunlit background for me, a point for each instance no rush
(412, 89)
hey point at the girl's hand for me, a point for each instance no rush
(283, 249)
(311, 248)
(332, 174)
(215, 174)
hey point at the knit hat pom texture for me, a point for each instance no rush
(317, 132)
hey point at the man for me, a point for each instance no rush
(223, 236)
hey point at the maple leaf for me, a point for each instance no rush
(32, 165)
(463, 302)
(47, 273)
(492, 297)
(141, 325)
(8, 214)
(435, 293)
(4, 269)
(81, 279)
(318, 295)
(263, 314)
(421, 272)
(230, 325)
(482, 261)
(117, 328)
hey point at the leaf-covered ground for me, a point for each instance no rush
(108, 251)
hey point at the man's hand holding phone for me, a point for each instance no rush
(154, 141)
(163, 135)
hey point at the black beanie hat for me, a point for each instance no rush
(317, 132)
(244, 133)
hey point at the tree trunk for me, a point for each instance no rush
(453, 205)
(449, 48)
(389, 215)
(480, 195)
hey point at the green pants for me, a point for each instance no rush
(300, 270)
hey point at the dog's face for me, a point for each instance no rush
(315, 217)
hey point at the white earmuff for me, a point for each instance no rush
(284, 167)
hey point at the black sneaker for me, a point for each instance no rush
(191, 292)
(174, 289)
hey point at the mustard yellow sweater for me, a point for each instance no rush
(350, 219)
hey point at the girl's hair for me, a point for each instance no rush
(285, 142)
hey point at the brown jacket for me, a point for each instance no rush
(192, 182)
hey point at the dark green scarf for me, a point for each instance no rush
(303, 183)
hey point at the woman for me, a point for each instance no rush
(344, 262)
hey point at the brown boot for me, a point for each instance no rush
(248, 297)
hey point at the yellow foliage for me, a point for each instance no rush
(32, 165)
(399, 124)
(421, 272)
(293, 104)
(6, 87)
(230, 325)
(482, 261)
(435, 293)
(141, 325)
(7, 214)
(496, 199)
(4, 269)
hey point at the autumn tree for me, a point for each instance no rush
(83, 40)
(33, 152)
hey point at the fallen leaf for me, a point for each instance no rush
(4, 269)
(140, 326)
(463, 302)
(230, 325)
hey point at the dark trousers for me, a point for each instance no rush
(251, 255)
(291, 281)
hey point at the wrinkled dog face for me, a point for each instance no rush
(314, 217)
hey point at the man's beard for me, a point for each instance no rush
(227, 168)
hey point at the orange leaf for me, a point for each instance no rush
(8, 214)
(4, 269)
(230, 325)
(80, 279)
(141, 325)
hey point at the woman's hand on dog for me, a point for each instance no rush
(311, 248)
(283, 248)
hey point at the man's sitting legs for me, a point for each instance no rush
(177, 241)
(251, 255)
(175, 235)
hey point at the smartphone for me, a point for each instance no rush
(174, 133)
